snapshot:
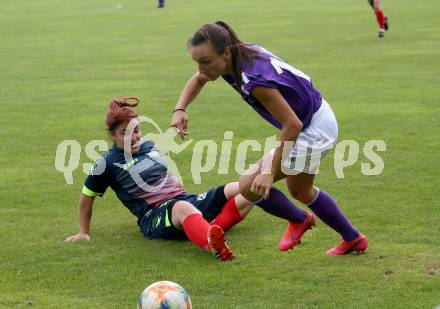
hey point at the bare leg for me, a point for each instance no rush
(243, 205)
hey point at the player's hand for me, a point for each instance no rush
(79, 236)
(180, 122)
(262, 184)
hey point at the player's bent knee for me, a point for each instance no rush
(181, 210)
(245, 183)
(231, 189)
(304, 196)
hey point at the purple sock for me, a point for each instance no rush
(161, 3)
(280, 206)
(328, 211)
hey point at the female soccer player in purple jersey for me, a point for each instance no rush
(166, 211)
(285, 97)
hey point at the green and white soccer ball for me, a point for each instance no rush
(164, 295)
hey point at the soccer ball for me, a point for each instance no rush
(164, 295)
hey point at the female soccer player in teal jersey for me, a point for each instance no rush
(163, 208)
(285, 97)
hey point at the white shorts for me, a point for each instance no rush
(312, 144)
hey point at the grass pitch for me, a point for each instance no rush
(61, 61)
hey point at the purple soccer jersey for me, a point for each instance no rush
(268, 70)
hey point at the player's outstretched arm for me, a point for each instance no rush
(85, 217)
(188, 94)
(278, 107)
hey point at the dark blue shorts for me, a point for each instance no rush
(157, 222)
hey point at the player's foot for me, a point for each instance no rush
(381, 33)
(292, 236)
(386, 25)
(217, 244)
(360, 244)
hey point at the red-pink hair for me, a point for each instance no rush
(120, 111)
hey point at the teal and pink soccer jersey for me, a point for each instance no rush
(116, 173)
(151, 207)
